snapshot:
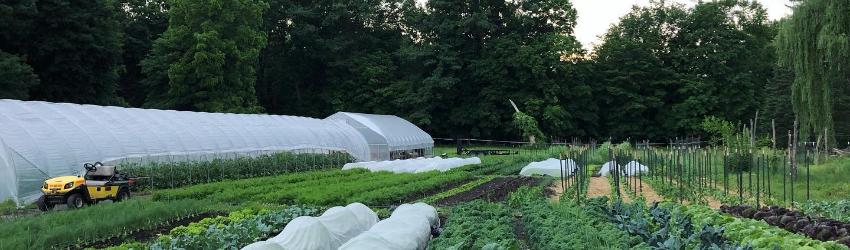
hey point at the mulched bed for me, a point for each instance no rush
(494, 190)
(145, 235)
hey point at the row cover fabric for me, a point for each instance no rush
(386, 133)
(416, 165)
(39, 140)
(550, 167)
(630, 169)
(333, 228)
(408, 228)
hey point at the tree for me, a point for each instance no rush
(73, 46)
(330, 55)
(815, 43)
(477, 54)
(637, 85)
(16, 77)
(723, 49)
(142, 22)
(206, 60)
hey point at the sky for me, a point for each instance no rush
(596, 16)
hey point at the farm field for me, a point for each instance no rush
(483, 206)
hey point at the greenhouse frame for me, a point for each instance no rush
(389, 136)
(40, 140)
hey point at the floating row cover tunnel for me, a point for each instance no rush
(39, 140)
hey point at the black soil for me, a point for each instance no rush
(145, 235)
(494, 190)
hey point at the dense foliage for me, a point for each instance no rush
(567, 225)
(815, 43)
(335, 187)
(660, 227)
(477, 224)
(448, 66)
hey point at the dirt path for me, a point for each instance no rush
(494, 190)
(598, 186)
(624, 195)
(647, 192)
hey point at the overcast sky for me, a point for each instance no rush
(595, 16)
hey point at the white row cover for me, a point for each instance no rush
(630, 169)
(550, 167)
(417, 165)
(328, 231)
(387, 133)
(408, 228)
(39, 140)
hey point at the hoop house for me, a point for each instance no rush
(39, 140)
(389, 136)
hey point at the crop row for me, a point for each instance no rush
(233, 231)
(332, 187)
(836, 210)
(477, 224)
(82, 227)
(754, 233)
(180, 173)
(796, 222)
(566, 225)
(661, 228)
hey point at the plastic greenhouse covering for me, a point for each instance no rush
(417, 165)
(408, 228)
(387, 133)
(39, 140)
(630, 169)
(550, 167)
(333, 228)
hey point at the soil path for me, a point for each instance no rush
(598, 186)
(494, 190)
(624, 195)
(647, 192)
(554, 191)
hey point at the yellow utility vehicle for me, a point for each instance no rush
(98, 184)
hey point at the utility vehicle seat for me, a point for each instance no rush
(100, 176)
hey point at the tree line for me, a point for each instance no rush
(448, 66)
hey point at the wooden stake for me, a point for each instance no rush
(773, 126)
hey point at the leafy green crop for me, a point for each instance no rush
(335, 187)
(232, 232)
(76, 228)
(476, 224)
(661, 228)
(836, 210)
(758, 234)
(567, 225)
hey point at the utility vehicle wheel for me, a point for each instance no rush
(122, 195)
(43, 205)
(75, 201)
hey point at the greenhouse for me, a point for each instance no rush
(40, 140)
(389, 137)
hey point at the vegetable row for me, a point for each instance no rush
(794, 221)
(84, 227)
(182, 172)
(332, 187)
